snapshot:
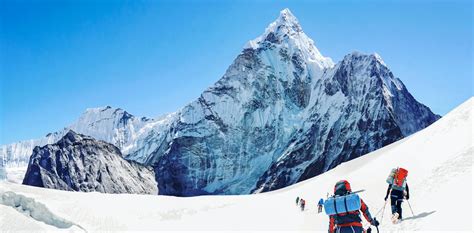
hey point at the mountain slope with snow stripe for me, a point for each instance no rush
(438, 158)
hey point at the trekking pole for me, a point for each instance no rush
(383, 211)
(411, 208)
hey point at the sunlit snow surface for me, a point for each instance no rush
(439, 160)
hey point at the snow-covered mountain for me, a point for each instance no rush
(439, 160)
(359, 107)
(282, 113)
(113, 125)
(81, 163)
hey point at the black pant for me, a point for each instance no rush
(396, 199)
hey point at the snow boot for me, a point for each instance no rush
(395, 218)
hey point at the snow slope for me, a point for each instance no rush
(439, 159)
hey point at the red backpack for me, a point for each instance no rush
(397, 178)
(401, 177)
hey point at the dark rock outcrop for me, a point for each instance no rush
(80, 163)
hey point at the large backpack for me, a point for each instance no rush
(342, 204)
(343, 201)
(398, 178)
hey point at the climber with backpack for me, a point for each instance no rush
(302, 204)
(344, 209)
(398, 190)
(320, 205)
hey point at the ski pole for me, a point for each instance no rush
(378, 212)
(383, 211)
(411, 208)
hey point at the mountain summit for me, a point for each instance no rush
(281, 113)
(286, 32)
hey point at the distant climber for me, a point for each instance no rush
(398, 190)
(320, 205)
(344, 209)
(297, 200)
(302, 204)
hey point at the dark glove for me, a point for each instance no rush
(374, 222)
(407, 197)
(385, 199)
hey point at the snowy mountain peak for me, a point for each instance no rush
(105, 115)
(370, 63)
(368, 70)
(73, 136)
(379, 58)
(360, 55)
(367, 59)
(286, 33)
(287, 19)
(286, 14)
(70, 137)
(97, 109)
(103, 111)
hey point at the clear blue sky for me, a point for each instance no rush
(58, 58)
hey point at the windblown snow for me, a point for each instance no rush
(439, 160)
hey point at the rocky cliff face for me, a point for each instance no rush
(81, 163)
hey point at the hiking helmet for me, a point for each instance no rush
(342, 187)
